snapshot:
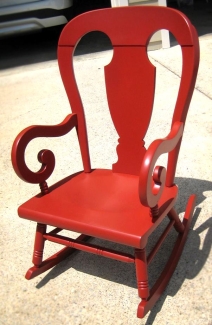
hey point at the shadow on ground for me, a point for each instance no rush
(191, 262)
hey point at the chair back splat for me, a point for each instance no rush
(124, 204)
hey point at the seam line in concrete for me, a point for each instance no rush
(196, 88)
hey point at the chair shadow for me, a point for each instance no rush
(193, 256)
(191, 262)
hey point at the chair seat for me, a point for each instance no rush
(102, 204)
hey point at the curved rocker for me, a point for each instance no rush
(53, 260)
(126, 203)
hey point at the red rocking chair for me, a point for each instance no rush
(125, 204)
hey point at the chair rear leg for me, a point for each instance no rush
(155, 292)
(178, 225)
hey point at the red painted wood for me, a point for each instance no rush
(166, 274)
(160, 242)
(39, 245)
(177, 222)
(52, 260)
(127, 203)
(122, 25)
(126, 80)
(142, 273)
(102, 203)
(151, 188)
(90, 248)
(45, 157)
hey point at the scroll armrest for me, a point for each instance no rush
(152, 180)
(45, 157)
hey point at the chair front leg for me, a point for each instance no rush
(39, 244)
(142, 273)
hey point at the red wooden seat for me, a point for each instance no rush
(127, 203)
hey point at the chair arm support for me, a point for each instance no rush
(152, 179)
(45, 157)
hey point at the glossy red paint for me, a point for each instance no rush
(134, 196)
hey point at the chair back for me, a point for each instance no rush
(130, 76)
